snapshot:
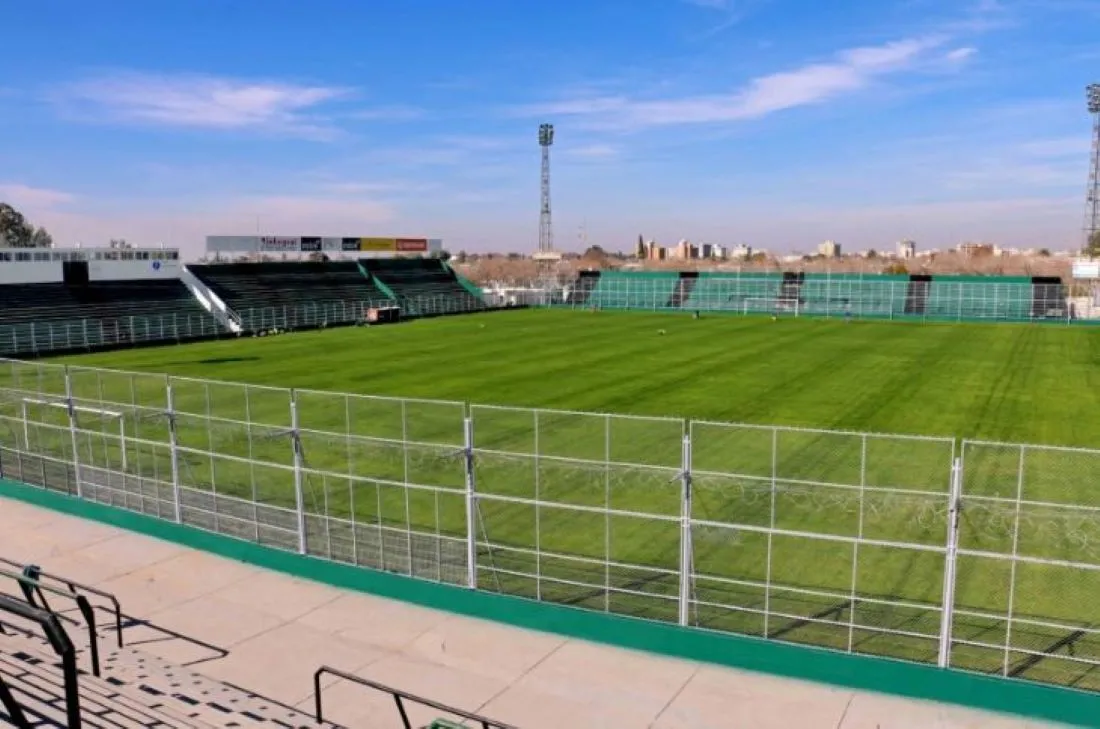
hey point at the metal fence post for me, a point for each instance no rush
(471, 504)
(71, 407)
(173, 452)
(299, 489)
(950, 559)
(685, 529)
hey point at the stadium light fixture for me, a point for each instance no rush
(1092, 93)
(546, 135)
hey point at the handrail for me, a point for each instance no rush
(62, 646)
(398, 696)
(15, 711)
(30, 587)
(37, 573)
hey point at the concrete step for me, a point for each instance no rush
(38, 684)
(203, 698)
(134, 680)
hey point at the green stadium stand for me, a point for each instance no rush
(424, 286)
(730, 292)
(863, 296)
(634, 290)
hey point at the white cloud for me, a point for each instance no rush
(815, 83)
(959, 55)
(593, 151)
(206, 102)
(26, 198)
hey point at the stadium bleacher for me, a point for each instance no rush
(38, 317)
(58, 669)
(870, 296)
(424, 286)
(289, 295)
(634, 290)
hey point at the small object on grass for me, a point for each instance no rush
(661, 332)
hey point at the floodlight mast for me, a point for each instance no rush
(1092, 197)
(546, 229)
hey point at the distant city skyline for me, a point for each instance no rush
(776, 124)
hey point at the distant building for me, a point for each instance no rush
(829, 249)
(974, 250)
(719, 252)
(640, 249)
(907, 249)
(653, 252)
(706, 250)
(686, 249)
(741, 252)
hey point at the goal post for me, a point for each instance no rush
(771, 305)
(101, 412)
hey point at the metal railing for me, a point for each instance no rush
(59, 640)
(40, 337)
(399, 697)
(12, 707)
(36, 575)
(33, 592)
(44, 337)
(982, 556)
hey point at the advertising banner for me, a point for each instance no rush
(412, 244)
(279, 244)
(378, 244)
(311, 244)
(333, 244)
(349, 244)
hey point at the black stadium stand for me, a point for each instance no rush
(291, 295)
(82, 314)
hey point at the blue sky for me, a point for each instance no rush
(774, 122)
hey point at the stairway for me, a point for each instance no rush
(134, 690)
(916, 297)
(683, 290)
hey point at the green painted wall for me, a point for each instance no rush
(853, 671)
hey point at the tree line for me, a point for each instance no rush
(17, 232)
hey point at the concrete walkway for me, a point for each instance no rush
(268, 632)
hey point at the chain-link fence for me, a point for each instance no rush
(986, 559)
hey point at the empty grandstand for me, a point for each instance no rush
(80, 299)
(923, 297)
(291, 295)
(424, 286)
(83, 299)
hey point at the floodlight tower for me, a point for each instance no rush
(546, 229)
(1092, 198)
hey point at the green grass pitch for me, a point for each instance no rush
(1022, 383)
(1017, 383)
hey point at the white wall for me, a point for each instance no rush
(25, 272)
(30, 272)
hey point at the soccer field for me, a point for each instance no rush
(812, 536)
(1023, 383)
